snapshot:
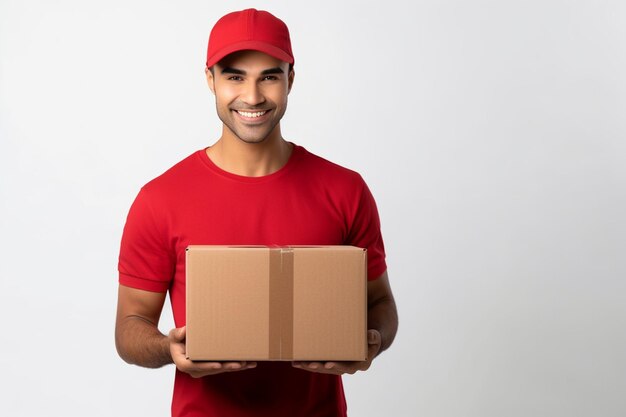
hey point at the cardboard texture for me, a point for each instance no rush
(276, 303)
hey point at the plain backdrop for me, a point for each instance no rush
(491, 133)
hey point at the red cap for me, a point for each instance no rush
(249, 29)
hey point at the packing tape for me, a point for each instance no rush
(281, 303)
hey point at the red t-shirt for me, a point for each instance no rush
(309, 201)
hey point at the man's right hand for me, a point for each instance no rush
(176, 338)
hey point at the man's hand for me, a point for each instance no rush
(340, 368)
(176, 338)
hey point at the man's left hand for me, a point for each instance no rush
(342, 367)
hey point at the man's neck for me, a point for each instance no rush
(250, 159)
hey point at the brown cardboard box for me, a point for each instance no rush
(276, 303)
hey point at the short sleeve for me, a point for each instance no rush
(146, 261)
(365, 232)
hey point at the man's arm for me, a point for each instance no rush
(382, 322)
(382, 314)
(139, 341)
(137, 337)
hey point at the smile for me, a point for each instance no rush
(257, 116)
(253, 115)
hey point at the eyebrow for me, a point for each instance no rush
(231, 70)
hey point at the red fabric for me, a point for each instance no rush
(249, 29)
(310, 201)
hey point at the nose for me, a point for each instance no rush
(252, 94)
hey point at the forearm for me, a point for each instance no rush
(140, 342)
(383, 316)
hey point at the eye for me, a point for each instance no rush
(235, 78)
(270, 78)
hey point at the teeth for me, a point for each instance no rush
(256, 114)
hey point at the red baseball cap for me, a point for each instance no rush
(249, 29)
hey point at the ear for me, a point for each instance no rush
(290, 78)
(210, 79)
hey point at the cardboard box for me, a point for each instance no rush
(276, 303)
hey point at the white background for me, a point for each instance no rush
(492, 134)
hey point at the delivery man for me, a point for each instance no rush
(251, 187)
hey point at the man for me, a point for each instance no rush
(250, 187)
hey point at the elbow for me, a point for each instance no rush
(121, 346)
(120, 350)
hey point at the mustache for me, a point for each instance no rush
(251, 109)
(245, 107)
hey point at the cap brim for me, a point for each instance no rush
(249, 45)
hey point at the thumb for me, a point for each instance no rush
(373, 337)
(178, 334)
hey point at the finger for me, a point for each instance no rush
(218, 367)
(333, 368)
(372, 351)
(307, 365)
(233, 366)
(373, 337)
(336, 368)
(207, 366)
(178, 334)
(237, 366)
(199, 370)
(344, 367)
(178, 349)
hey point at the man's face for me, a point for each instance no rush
(251, 91)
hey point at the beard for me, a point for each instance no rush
(249, 134)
